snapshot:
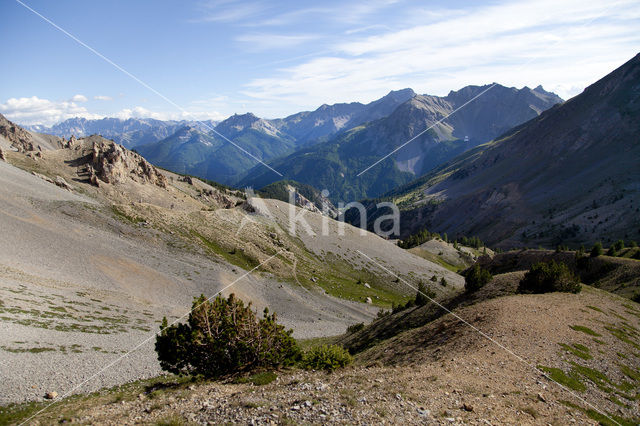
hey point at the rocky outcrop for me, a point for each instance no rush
(111, 163)
(62, 183)
(2, 157)
(17, 136)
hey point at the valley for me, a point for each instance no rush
(351, 251)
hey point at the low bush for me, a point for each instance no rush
(354, 328)
(326, 357)
(546, 277)
(224, 337)
(476, 278)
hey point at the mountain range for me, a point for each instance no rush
(568, 176)
(207, 154)
(326, 147)
(337, 164)
(129, 133)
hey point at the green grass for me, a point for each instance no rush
(622, 335)
(124, 217)
(29, 350)
(609, 419)
(578, 350)
(234, 256)
(170, 421)
(436, 259)
(259, 379)
(630, 373)
(71, 406)
(568, 380)
(585, 330)
(598, 378)
(306, 344)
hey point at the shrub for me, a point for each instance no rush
(223, 337)
(423, 295)
(355, 328)
(548, 277)
(326, 357)
(382, 313)
(476, 278)
(596, 250)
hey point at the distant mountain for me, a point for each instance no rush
(569, 176)
(313, 126)
(210, 156)
(335, 164)
(129, 133)
(204, 153)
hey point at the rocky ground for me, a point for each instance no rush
(97, 246)
(553, 359)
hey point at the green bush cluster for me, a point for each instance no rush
(354, 328)
(546, 277)
(224, 337)
(596, 250)
(418, 238)
(423, 296)
(474, 242)
(424, 235)
(326, 357)
(476, 278)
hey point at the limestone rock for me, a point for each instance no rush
(51, 395)
(62, 183)
(17, 136)
(43, 177)
(113, 164)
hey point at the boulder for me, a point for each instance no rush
(62, 183)
(43, 177)
(51, 395)
(368, 300)
(2, 157)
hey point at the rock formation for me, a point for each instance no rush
(111, 163)
(16, 135)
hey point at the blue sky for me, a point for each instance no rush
(219, 57)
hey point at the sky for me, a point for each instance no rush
(210, 59)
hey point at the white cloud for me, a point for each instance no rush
(274, 41)
(102, 98)
(79, 98)
(229, 11)
(142, 112)
(35, 110)
(562, 45)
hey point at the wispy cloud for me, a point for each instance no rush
(229, 11)
(102, 98)
(475, 46)
(274, 41)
